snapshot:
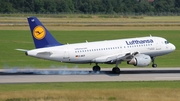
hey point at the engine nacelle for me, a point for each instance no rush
(140, 60)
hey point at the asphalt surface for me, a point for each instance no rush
(86, 75)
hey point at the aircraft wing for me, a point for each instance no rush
(128, 56)
(116, 57)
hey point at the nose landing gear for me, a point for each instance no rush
(153, 65)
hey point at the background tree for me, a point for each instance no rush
(90, 6)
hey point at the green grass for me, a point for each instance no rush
(90, 85)
(13, 39)
(92, 91)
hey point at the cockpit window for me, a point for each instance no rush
(166, 42)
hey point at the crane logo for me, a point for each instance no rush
(39, 32)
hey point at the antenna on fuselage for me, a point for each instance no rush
(150, 35)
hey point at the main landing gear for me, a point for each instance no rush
(153, 65)
(96, 68)
(115, 70)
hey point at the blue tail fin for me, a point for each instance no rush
(41, 36)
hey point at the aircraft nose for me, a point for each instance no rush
(173, 47)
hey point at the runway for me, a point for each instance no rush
(86, 75)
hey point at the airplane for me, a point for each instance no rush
(140, 51)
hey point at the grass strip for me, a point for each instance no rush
(92, 91)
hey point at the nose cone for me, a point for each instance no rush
(173, 47)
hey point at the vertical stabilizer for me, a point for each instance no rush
(41, 36)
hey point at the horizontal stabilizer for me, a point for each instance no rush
(23, 50)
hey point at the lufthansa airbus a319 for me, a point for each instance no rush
(135, 51)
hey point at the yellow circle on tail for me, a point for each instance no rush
(39, 32)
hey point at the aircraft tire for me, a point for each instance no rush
(96, 68)
(116, 70)
(154, 65)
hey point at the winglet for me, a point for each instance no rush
(41, 36)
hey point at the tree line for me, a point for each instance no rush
(89, 6)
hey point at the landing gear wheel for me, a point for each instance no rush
(116, 70)
(154, 65)
(96, 68)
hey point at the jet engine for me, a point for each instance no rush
(140, 60)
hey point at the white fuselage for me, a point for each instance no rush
(101, 51)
